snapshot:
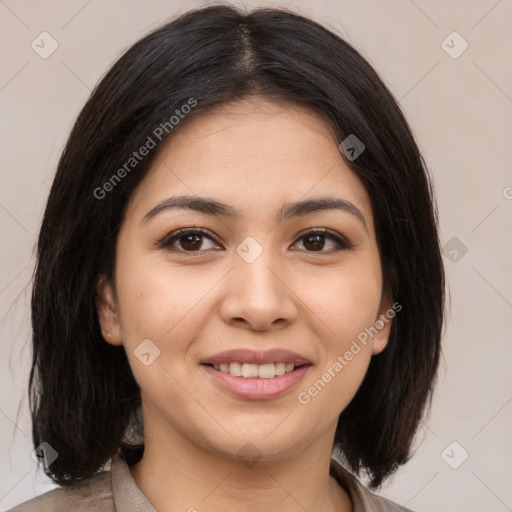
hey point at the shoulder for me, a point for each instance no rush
(364, 500)
(88, 495)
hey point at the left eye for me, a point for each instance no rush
(191, 240)
(316, 239)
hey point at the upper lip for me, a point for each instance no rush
(257, 357)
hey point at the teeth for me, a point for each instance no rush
(254, 371)
(266, 371)
(235, 369)
(250, 370)
(280, 368)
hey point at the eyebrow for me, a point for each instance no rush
(212, 207)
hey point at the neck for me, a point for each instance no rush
(178, 475)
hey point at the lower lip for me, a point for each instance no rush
(256, 388)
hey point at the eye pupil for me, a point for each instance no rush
(193, 244)
(317, 243)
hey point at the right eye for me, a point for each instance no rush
(189, 239)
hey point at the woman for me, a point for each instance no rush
(239, 291)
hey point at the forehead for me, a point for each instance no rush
(253, 153)
(257, 127)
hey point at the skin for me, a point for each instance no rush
(255, 156)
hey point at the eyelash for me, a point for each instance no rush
(169, 239)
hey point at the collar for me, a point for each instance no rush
(126, 495)
(363, 500)
(129, 498)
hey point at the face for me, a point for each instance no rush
(255, 275)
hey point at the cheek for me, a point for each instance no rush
(345, 307)
(153, 297)
(166, 305)
(161, 306)
(347, 302)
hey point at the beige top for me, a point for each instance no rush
(116, 491)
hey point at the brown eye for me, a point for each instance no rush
(191, 242)
(315, 241)
(186, 240)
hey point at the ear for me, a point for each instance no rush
(383, 323)
(107, 312)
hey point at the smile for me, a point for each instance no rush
(255, 381)
(255, 371)
(256, 374)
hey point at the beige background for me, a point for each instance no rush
(461, 112)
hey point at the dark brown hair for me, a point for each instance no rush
(83, 396)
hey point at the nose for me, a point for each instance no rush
(258, 295)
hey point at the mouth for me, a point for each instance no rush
(256, 371)
(254, 374)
